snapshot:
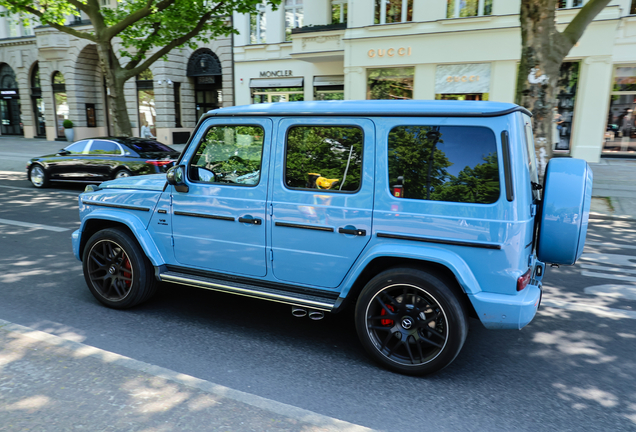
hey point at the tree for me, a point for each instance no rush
(146, 30)
(543, 49)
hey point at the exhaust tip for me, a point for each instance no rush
(299, 312)
(316, 315)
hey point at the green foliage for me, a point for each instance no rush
(143, 24)
(416, 155)
(52, 12)
(409, 153)
(67, 124)
(472, 185)
(325, 151)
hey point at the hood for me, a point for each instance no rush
(151, 182)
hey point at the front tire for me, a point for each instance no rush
(116, 270)
(38, 176)
(410, 321)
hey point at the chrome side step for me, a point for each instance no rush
(281, 296)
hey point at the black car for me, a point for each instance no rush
(99, 159)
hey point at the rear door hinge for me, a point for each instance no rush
(171, 241)
(271, 209)
(533, 210)
(271, 255)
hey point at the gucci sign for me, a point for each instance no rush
(391, 52)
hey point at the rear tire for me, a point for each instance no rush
(410, 321)
(122, 173)
(116, 269)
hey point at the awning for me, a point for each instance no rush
(276, 82)
(330, 80)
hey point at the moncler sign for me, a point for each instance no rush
(278, 73)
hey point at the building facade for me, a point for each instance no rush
(47, 76)
(331, 49)
(440, 49)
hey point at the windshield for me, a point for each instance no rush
(148, 146)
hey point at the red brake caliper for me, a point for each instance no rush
(126, 274)
(387, 322)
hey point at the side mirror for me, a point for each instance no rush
(176, 177)
(63, 152)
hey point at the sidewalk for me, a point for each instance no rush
(614, 191)
(48, 383)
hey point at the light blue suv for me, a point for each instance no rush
(419, 213)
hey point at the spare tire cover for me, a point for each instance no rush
(565, 211)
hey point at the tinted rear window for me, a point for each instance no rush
(444, 163)
(148, 146)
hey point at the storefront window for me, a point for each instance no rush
(632, 10)
(10, 102)
(564, 110)
(293, 16)
(463, 96)
(566, 4)
(329, 93)
(257, 24)
(469, 81)
(468, 8)
(390, 83)
(282, 94)
(146, 105)
(61, 102)
(339, 11)
(620, 133)
(329, 87)
(393, 11)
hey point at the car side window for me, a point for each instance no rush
(532, 158)
(76, 148)
(324, 157)
(104, 147)
(229, 154)
(444, 163)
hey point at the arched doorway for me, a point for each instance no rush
(60, 100)
(10, 102)
(204, 66)
(37, 102)
(90, 94)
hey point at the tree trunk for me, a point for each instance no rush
(543, 51)
(115, 79)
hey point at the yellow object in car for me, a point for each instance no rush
(318, 182)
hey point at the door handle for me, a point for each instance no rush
(254, 221)
(354, 231)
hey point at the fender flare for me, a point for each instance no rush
(450, 260)
(136, 226)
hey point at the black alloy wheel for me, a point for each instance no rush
(116, 269)
(411, 321)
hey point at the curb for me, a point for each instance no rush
(302, 415)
